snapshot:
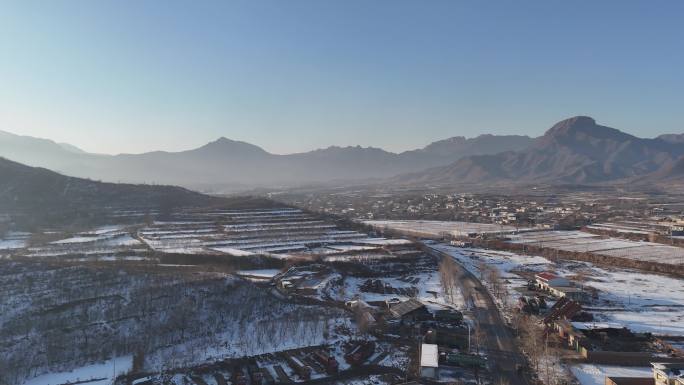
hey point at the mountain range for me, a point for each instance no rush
(573, 151)
(226, 165)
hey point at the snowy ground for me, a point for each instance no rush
(189, 318)
(506, 263)
(437, 228)
(279, 233)
(244, 233)
(14, 240)
(596, 374)
(111, 235)
(429, 291)
(262, 273)
(101, 373)
(251, 338)
(641, 301)
(101, 242)
(620, 228)
(577, 241)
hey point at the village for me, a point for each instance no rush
(637, 213)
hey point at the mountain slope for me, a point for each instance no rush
(227, 165)
(669, 172)
(672, 138)
(575, 150)
(480, 145)
(42, 195)
(37, 152)
(71, 148)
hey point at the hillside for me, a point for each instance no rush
(575, 150)
(672, 138)
(36, 195)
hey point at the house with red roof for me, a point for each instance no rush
(548, 280)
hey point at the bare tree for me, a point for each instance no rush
(447, 275)
(531, 335)
(479, 336)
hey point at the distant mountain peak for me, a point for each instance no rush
(223, 141)
(576, 123)
(578, 129)
(579, 120)
(454, 139)
(228, 145)
(72, 148)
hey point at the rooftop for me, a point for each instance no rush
(672, 369)
(632, 380)
(547, 276)
(403, 308)
(429, 356)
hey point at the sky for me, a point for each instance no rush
(294, 75)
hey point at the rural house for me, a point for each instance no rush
(411, 310)
(547, 280)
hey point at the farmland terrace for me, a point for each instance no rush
(277, 233)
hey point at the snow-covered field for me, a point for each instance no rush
(438, 228)
(94, 374)
(14, 240)
(620, 228)
(101, 242)
(577, 241)
(233, 252)
(244, 233)
(261, 273)
(641, 301)
(588, 374)
(111, 235)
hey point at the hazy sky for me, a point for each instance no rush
(288, 75)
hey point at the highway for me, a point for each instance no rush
(500, 345)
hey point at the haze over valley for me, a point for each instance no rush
(575, 150)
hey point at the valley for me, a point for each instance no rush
(309, 192)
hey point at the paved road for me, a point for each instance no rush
(500, 345)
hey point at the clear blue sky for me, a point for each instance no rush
(289, 75)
